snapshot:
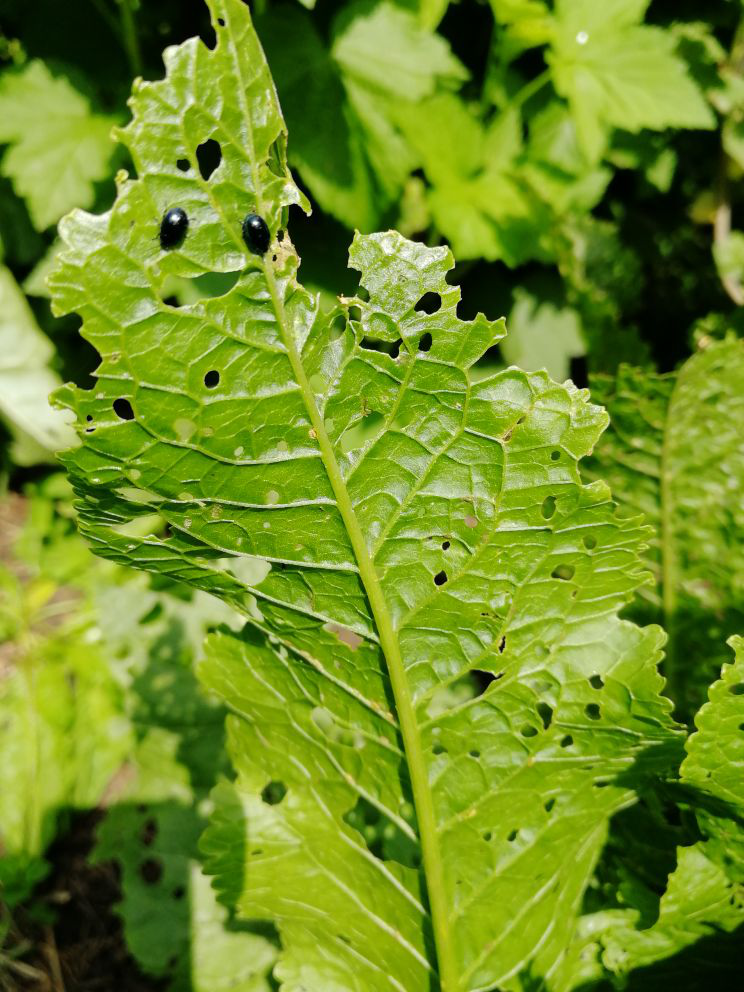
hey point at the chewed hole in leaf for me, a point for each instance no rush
(596, 682)
(440, 578)
(212, 379)
(567, 740)
(548, 507)
(474, 753)
(590, 542)
(564, 572)
(429, 303)
(123, 409)
(151, 871)
(528, 731)
(555, 456)
(512, 835)
(592, 711)
(355, 313)
(391, 348)
(208, 156)
(737, 690)
(183, 165)
(439, 749)
(549, 805)
(273, 793)
(425, 342)
(545, 712)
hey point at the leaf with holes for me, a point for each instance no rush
(675, 453)
(436, 707)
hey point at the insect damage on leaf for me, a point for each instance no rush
(437, 782)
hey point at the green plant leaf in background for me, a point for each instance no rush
(675, 453)
(543, 335)
(437, 708)
(704, 900)
(62, 731)
(173, 924)
(616, 72)
(26, 380)
(58, 146)
(339, 100)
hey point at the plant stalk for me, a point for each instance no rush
(422, 797)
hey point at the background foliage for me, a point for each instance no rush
(583, 160)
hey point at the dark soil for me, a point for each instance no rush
(83, 948)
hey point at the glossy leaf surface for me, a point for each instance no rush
(437, 708)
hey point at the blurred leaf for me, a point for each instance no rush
(704, 897)
(615, 72)
(675, 452)
(387, 49)
(62, 732)
(26, 380)
(327, 146)
(729, 256)
(542, 336)
(58, 147)
(35, 283)
(477, 199)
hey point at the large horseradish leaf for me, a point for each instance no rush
(436, 707)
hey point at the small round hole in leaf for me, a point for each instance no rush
(183, 165)
(590, 542)
(123, 409)
(212, 379)
(596, 682)
(209, 156)
(592, 711)
(274, 792)
(425, 342)
(429, 303)
(440, 578)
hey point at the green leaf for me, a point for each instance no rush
(339, 102)
(62, 732)
(327, 146)
(26, 380)
(173, 924)
(704, 899)
(390, 525)
(478, 198)
(616, 72)
(58, 147)
(714, 763)
(674, 453)
(387, 49)
(543, 336)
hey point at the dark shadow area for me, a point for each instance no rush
(82, 937)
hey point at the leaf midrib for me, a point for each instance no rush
(423, 802)
(422, 797)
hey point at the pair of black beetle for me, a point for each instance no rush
(175, 224)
